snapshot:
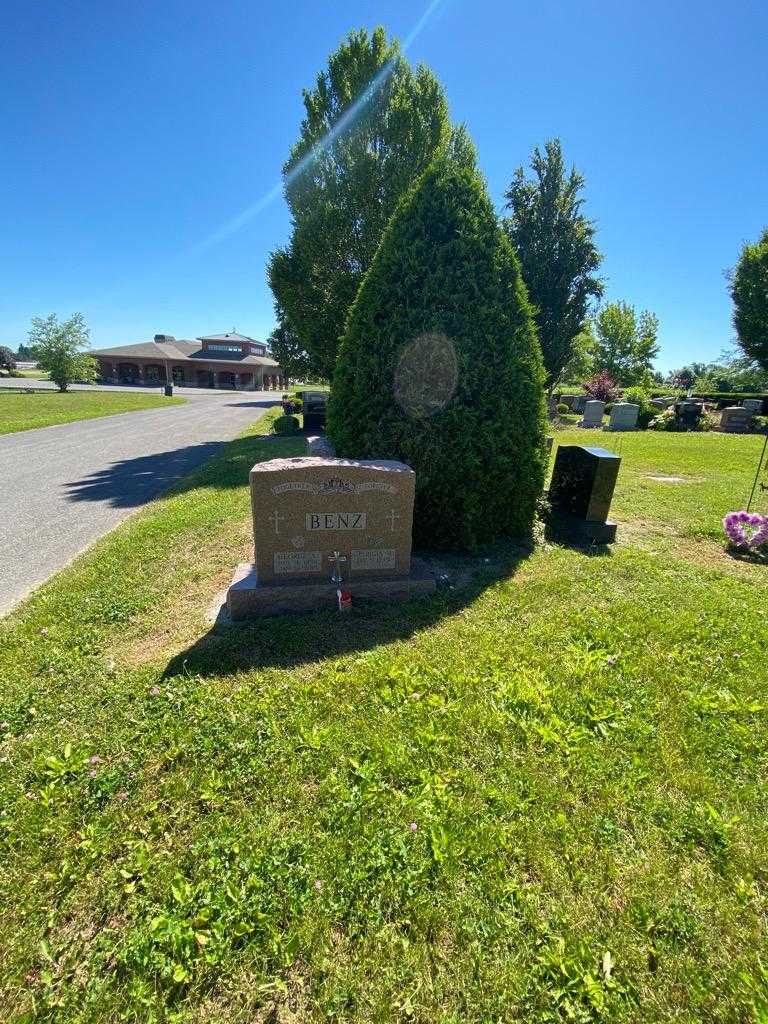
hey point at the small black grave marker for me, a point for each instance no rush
(583, 480)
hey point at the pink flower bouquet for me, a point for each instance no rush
(746, 529)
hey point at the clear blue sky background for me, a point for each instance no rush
(133, 131)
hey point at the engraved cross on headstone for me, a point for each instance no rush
(276, 518)
(336, 560)
(392, 516)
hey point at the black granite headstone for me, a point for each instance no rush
(689, 413)
(314, 403)
(583, 480)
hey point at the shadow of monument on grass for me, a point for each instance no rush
(131, 483)
(288, 641)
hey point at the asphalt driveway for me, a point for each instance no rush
(62, 487)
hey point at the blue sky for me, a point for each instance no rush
(134, 131)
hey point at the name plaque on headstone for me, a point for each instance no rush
(300, 562)
(378, 559)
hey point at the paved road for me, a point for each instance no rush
(62, 487)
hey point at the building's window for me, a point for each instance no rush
(215, 347)
(258, 350)
(178, 375)
(153, 373)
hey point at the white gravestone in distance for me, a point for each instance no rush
(623, 416)
(593, 414)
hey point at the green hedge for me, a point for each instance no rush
(440, 366)
(285, 425)
(724, 398)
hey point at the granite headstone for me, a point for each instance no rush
(581, 489)
(623, 416)
(320, 524)
(735, 420)
(593, 414)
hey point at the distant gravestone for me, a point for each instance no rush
(321, 525)
(583, 481)
(754, 406)
(579, 401)
(735, 420)
(659, 403)
(314, 405)
(623, 416)
(690, 412)
(593, 414)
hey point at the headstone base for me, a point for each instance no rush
(618, 427)
(584, 531)
(247, 598)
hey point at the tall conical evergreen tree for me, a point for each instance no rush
(440, 365)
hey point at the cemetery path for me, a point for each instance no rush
(63, 487)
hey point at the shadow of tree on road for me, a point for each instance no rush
(131, 483)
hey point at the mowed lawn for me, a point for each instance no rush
(538, 796)
(46, 409)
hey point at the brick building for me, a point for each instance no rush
(231, 361)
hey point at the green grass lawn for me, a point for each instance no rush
(45, 409)
(537, 797)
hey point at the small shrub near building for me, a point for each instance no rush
(286, 425)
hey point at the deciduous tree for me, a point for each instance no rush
(749, 291)
(372, 125)
(287, 350)
(60, 348)
(626, 343)
(555, 243)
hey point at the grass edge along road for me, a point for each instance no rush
(540, 797)
(30, 410)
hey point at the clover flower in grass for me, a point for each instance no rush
(413, 827)
(746, 529)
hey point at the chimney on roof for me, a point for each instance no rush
(164, 337)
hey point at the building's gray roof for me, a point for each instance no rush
(181, 351)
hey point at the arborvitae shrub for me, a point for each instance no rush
(440, 366)
(285, 425)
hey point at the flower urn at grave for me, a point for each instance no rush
(324, 527)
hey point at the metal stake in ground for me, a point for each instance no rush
(757, 474)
